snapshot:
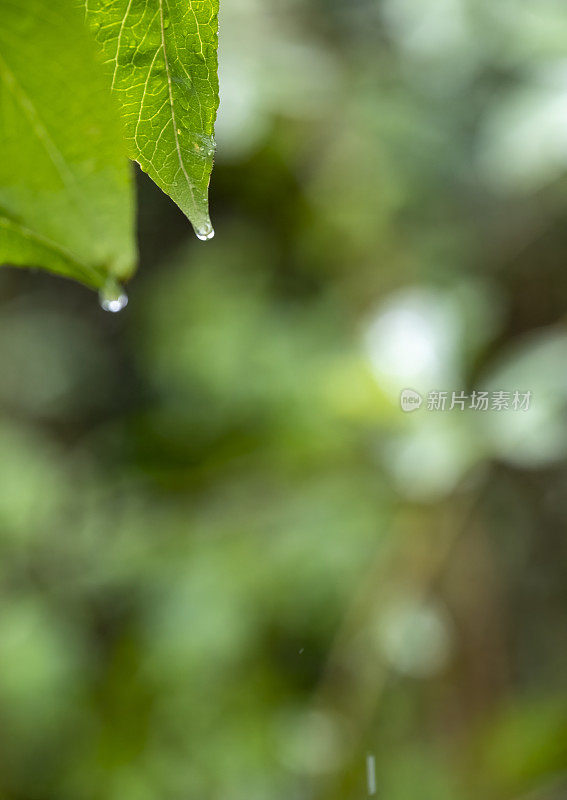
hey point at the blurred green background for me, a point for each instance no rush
(231, 567)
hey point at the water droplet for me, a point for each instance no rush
(112, 297)
(205, 232)
(371, 774)
(203, 145)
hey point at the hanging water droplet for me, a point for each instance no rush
(112, 297)
(205, 232)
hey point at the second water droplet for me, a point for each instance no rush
(112, 297)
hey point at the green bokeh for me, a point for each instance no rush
(231, 567)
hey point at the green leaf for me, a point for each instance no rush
(66, 199)
(162, 59)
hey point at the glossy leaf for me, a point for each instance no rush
(162, 61)
(66, 201)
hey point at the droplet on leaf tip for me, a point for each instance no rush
(112, 297)
(205, 232)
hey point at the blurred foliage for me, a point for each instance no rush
(231, 566)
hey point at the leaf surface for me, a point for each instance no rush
(66, 198)
(162, 60)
